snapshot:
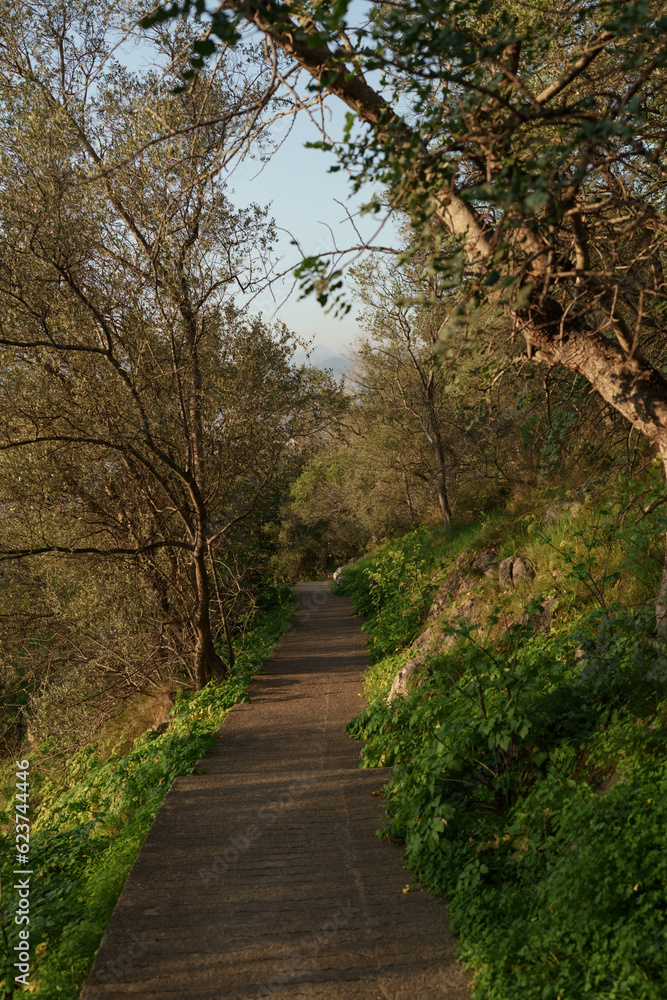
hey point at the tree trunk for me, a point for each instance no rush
(661, 601)
(435, 438)
(228, 639)
(208, 665)
(441, 481)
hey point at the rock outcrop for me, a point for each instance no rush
(339, 571)
(401, 683)
(515, 570)
(541, 620)
(467, 574)
(559, 508)
(485, 563)
(159, 727)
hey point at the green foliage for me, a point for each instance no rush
(380, 675)
(528, 775)
(324, 469)
(394, 590)
(87, 834)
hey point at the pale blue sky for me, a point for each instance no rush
(304, 200)
(303, 197)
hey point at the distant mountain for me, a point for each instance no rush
(323, 357)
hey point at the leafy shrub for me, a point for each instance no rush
(529, 784)
(394, 590)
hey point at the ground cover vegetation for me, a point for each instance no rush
(528, 780)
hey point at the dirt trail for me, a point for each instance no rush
(262, 876)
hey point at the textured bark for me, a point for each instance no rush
(208, 664)
(231, 656)
(661, 600)
(627, 382)
(441, 476)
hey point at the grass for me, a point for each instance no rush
(89, 828)
(529, 783)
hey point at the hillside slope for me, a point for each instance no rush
(529, 782)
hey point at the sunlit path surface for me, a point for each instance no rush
(262, 876)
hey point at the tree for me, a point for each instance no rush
(531, 139)
(144, 416)
(397, 358)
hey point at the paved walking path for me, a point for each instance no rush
(262, 876)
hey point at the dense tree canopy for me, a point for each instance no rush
(146, 420)
(526, 140)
